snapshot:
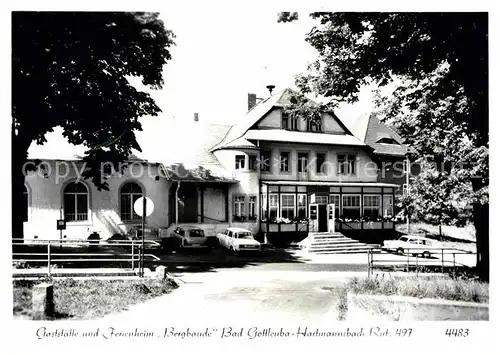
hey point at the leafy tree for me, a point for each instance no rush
(438, 63)
(441, 193)
(71, 69)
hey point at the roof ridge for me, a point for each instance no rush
(222, 140)
(389, 127)
(370, 115)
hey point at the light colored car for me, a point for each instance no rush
(185, 236)
(413, 244)
(238, 239)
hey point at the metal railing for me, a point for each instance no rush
(415, 258)
(60, 252)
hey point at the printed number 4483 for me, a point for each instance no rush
(457, 332)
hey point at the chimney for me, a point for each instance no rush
(252, 101)
(196, 116)
(270, 88)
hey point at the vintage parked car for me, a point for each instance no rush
(238, 239)
(405, 243)
(184, 236)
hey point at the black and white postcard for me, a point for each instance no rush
(216, 177)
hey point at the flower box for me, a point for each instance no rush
(353, 225)
(388, 225)
(288, 227)
(372, 225)
(273, 227)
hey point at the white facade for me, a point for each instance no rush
(46, 201)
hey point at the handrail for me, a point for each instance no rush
(416, 252)
(342, 222)
(135, 257)
(305, 226)
(75, 241)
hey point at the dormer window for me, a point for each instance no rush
(294, 123)
(284, 120)
(314, 126)
(387, 140)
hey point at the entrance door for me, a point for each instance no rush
(331, 217)
(313, 216)
(322, 219)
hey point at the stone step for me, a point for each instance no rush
(325, 234)
(334, 242)
(353, 251)
(329, 237)
(332, 238)
(338, 246)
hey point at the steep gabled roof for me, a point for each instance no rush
(242, 129)
(256, 113)
(370, 130)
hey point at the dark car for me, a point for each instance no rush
(185, 237)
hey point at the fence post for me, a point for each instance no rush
(368, 255)
(408, 260)
(454, 270)
(43, 301)
(442, 261)
(416, 260)
(48, 258)
(133, 261)
(141, 260)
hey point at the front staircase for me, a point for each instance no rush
(332, 243)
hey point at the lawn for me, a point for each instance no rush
(445, 288)
(463, 238)
(422, 287)
(90, 298)
(451, 233)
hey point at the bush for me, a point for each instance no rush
(20, 265)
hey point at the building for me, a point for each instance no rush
(276, 175)
(387, 146)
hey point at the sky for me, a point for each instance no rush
(219, 59)
(222, 58)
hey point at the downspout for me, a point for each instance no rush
(177, 202)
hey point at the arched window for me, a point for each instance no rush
(129, 193)
(76, 202)
(25, 204)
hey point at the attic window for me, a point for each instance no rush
(284, 120)
(387, 141)
(314, 126)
